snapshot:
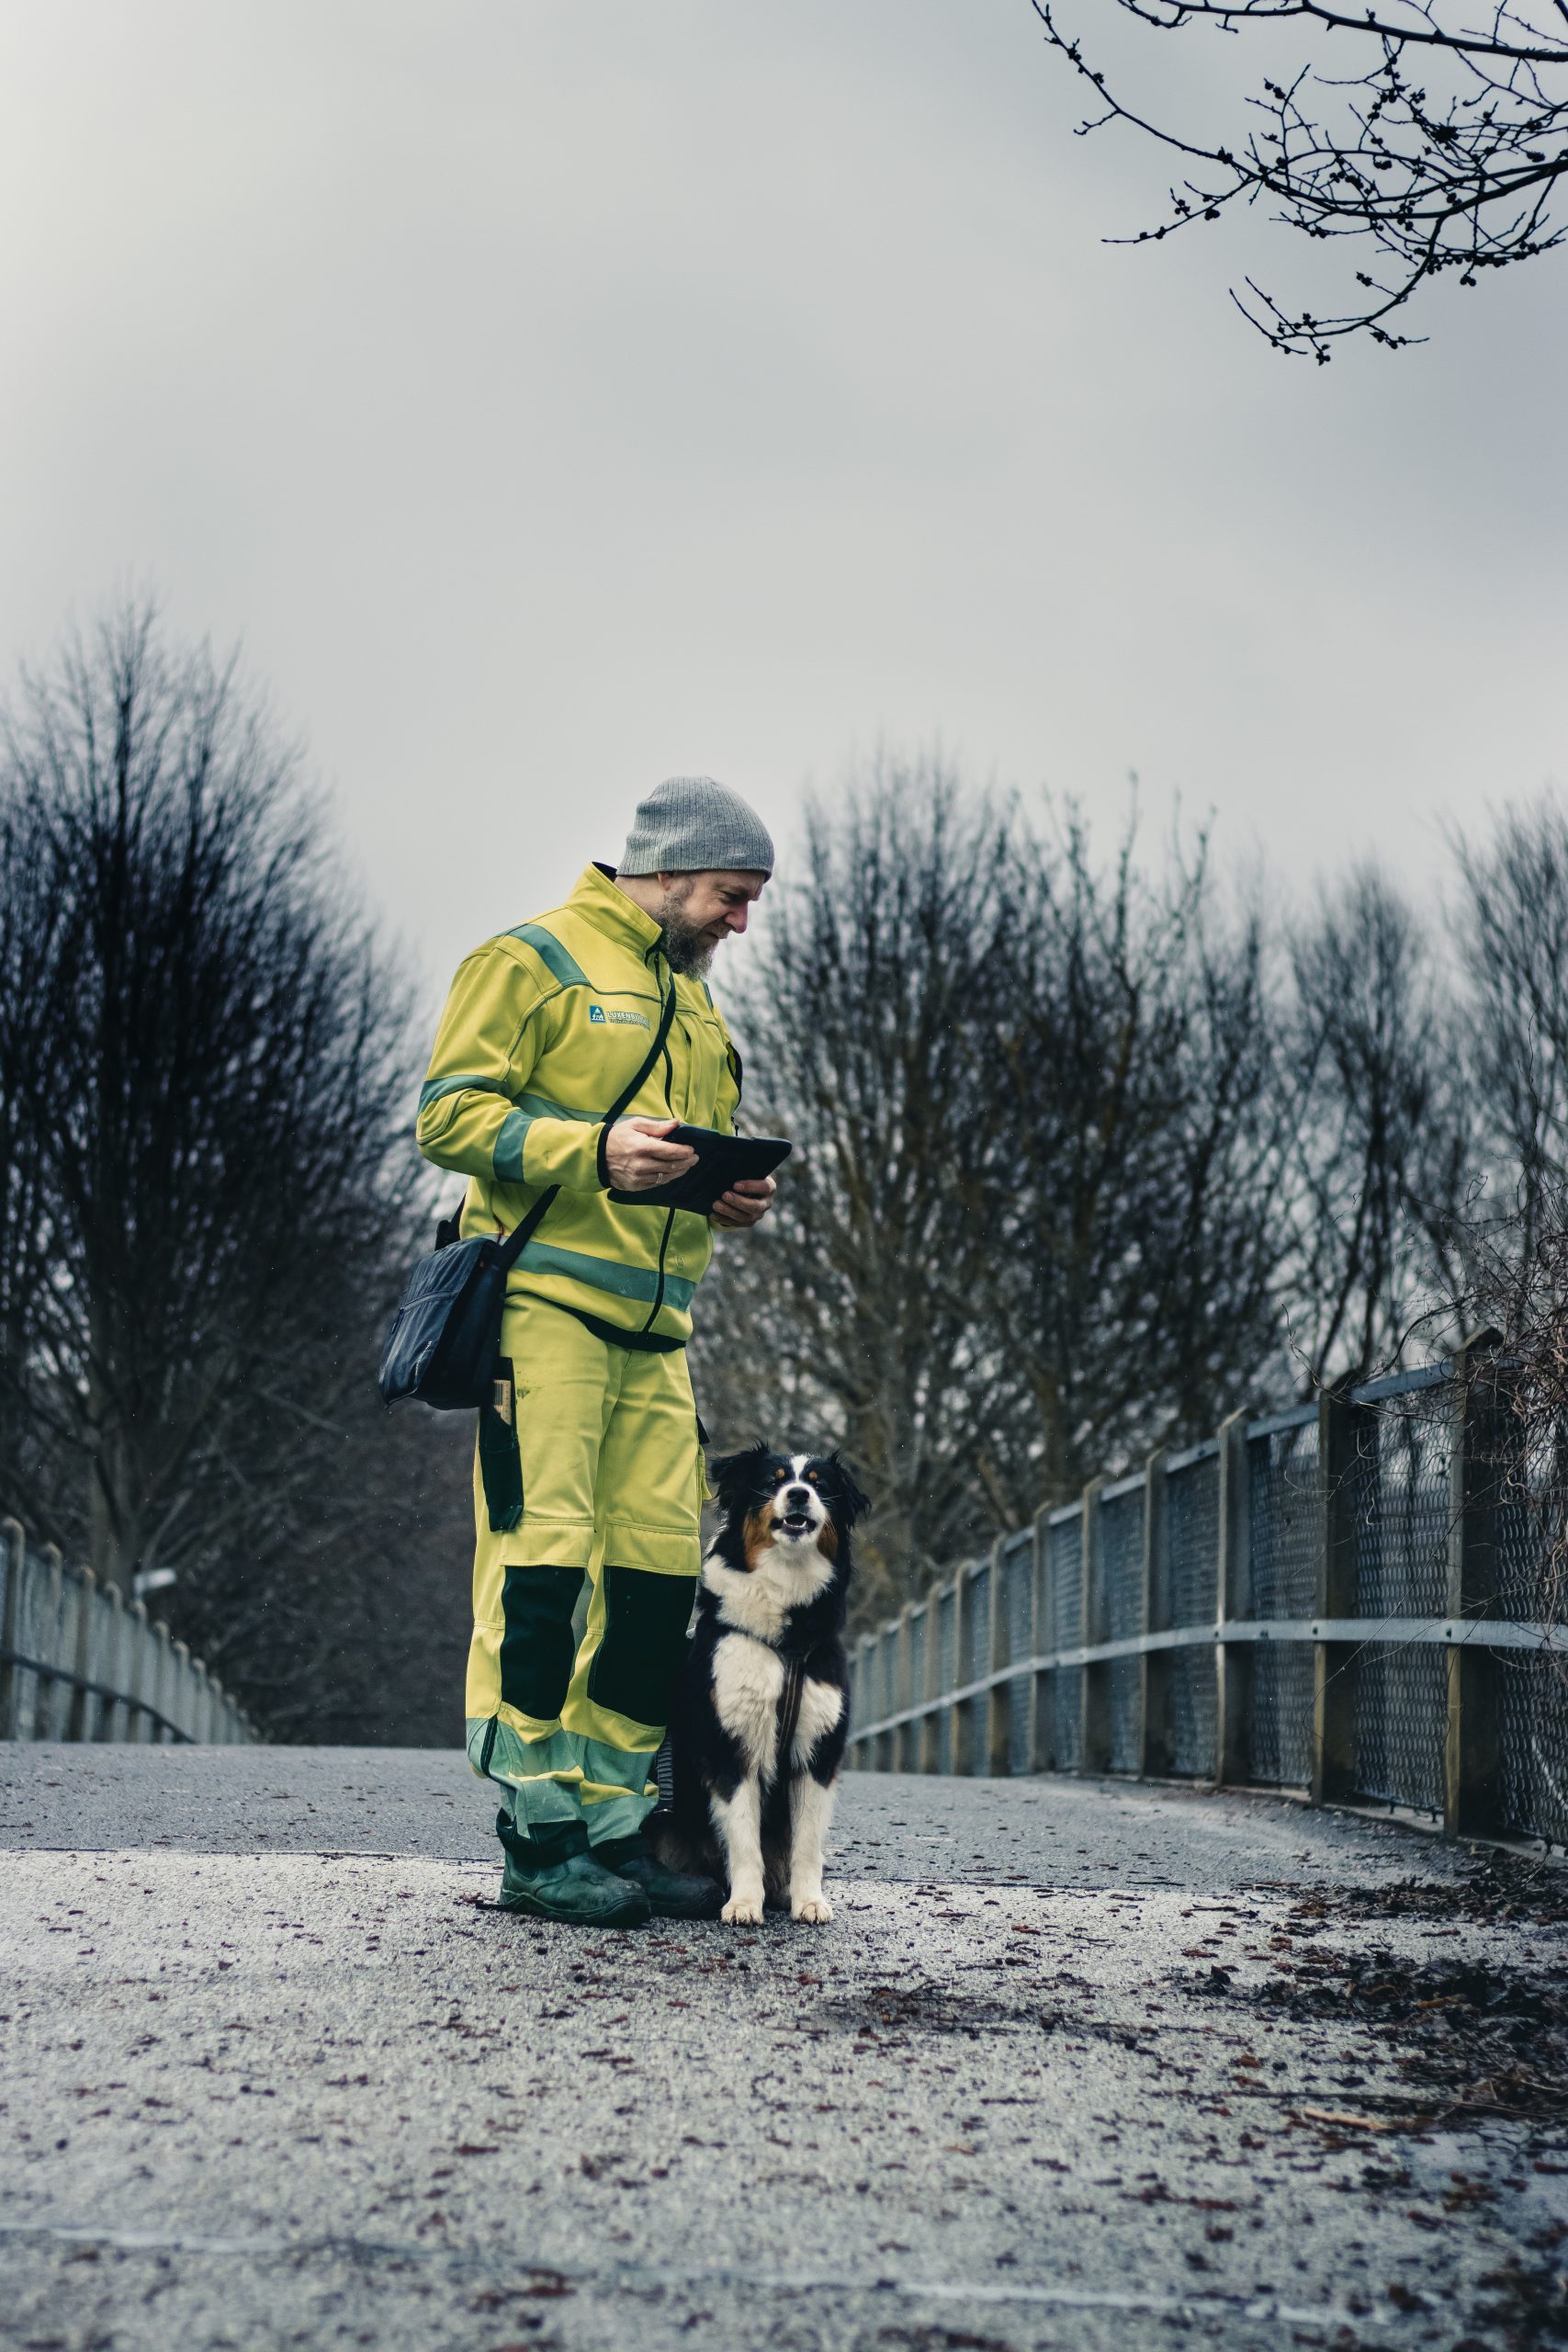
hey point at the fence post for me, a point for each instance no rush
(1042, 1745)
(1333, 1694)
(1232, 1660)
(200, 1703)
(961, 1716)
(1158, 1749)
(1094, 1746)
(181, 1691)
(999, 1698)
(16, 1544)
(113, 1717)
(1473, 1731)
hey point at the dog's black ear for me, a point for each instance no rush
(851, 1501)
(733, 1472)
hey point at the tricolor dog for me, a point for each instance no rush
(761, 1715)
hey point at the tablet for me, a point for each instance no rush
(720, 1159)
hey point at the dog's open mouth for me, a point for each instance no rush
(796, 1522)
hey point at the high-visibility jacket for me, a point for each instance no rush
(543, 1027)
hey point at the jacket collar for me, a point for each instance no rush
(599, 902)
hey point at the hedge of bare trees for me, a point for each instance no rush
(208, 1196)
(1094, 1147)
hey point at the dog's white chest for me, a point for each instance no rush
(748, 1683)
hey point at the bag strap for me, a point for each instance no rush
(510, 1250)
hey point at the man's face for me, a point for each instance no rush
(700, 910)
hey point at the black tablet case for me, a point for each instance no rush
(720, 1159)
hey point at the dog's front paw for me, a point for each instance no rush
(743, 1911)
(815, 1909)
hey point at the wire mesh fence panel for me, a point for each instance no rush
(1283, 1512)
(1533, 1740)
(879, 1681)
(1529, 1483)
(1063, 1570)
(1020, 1700)
(31, 1636)
(1193, 1575)
(1402, 1511)
(1122, 1558)
(1018, 1568)
(1403, 1505)
(946, 1638)
(942, 1721)
(1399, 1725)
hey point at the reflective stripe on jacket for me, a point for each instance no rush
(543, 1028)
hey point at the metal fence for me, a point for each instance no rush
(1353, 1599)
(75, 1663)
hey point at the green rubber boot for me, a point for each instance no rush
(672, 1894)
(556, 1877)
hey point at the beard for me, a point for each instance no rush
(688, 949)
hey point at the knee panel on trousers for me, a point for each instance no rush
(644, 1644)
(538, 1646)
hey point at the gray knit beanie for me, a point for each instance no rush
(688, 824)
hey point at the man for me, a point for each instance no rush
(589, 1463)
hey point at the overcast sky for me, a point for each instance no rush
(553, 396)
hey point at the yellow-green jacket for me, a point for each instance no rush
(543, 1028)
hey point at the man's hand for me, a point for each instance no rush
(747, 1200)
(638, 1157)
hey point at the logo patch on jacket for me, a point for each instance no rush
(626, 1020)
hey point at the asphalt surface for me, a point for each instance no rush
(273, 2075)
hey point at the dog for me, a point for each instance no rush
(766, 1669)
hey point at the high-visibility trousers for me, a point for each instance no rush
(587, 1466)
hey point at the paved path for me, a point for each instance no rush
(273, 2076)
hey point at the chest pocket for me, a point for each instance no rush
(704, 1060)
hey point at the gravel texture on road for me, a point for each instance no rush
(1074, 2065)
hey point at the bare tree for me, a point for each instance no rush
(852, 1313)
(204, 1098)
(1513, 932)
(1434, 145)
(1138, 1240)
(1029, 1224)
(1383, 1147)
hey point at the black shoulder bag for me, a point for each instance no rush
(446, 1335)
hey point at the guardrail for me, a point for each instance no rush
(75, 1663)
(1351, 1599)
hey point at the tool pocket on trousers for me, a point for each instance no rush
(501, 1460)
(644, 1643)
